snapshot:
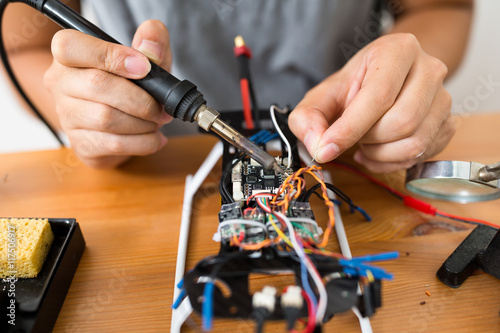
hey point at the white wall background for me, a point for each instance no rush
(475, 87)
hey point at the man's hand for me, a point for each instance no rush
(107, 117)
(389, 98)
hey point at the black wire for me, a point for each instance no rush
(224, 192)
(10, 73)
(305, 197)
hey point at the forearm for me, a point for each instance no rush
(27, 38)
(442, 29)
(30, 67)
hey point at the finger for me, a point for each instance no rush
(441, 141)
(384, 78)
(424, 81)
(317, 110)
(91, 144)
(153, 40)
(103, 118)
(119, 93)
(72, 48)
(419, 142)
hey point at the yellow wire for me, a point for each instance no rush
(280, 233)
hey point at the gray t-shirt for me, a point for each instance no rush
(295, 43)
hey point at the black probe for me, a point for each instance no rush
(180, 99)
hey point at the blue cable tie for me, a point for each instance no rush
(179, 299)
(361, 270)
(377, 257)
(207, 310)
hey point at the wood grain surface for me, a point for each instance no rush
(130, 220)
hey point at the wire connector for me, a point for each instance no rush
(265, 299)
(263, 303)
(291, 305)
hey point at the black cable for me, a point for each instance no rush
(15, 82)
(223, 190)
(305, 198)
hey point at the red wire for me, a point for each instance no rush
(311, 324)
(366, 176)
(466, 219)
(410, 201)
(245, 98)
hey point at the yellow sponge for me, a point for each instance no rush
(24, 245)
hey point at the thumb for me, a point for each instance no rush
(153, 40)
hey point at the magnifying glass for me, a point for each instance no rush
(456, 181)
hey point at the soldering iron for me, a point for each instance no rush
(181, 99)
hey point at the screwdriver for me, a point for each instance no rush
(180, 99)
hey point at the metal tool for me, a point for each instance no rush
(181, 99)
(457, 181)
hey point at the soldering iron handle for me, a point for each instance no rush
(180, 99)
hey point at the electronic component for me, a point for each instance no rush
(248, 230)
(230, 212)
(301, 209)
(305, 228)
(250, 178)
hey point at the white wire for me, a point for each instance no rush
(192, 185)
(283, 137)
(323, 296)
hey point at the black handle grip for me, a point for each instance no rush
(180, 99)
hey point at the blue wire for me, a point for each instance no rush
(207, 310)
(363, 212)
(305, 280)
(179, 299)
(306, 285)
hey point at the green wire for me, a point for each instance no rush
(300, 226)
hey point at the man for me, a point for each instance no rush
(389, 97)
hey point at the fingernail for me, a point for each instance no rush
(327, 153)
(151, 50)
(165, 118)
(310, 141)
(163, 140)
(357, 157)
(137, 65)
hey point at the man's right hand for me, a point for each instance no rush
(106, 117)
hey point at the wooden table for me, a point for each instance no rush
(130, 220)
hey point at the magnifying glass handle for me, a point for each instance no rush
(490, 172)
